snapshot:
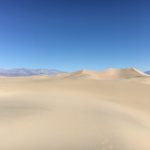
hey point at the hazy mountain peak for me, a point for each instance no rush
(147, 72)
(27, 72)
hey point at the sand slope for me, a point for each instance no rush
(110, 73)
(43, 113)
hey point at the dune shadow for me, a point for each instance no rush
(10, 109)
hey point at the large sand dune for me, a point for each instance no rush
(64, 113)
(110, 73)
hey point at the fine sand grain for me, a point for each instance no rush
(57, 113)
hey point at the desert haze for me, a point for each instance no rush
(83, 110)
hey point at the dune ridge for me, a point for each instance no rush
(111, 73)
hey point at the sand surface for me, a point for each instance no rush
(41, 113)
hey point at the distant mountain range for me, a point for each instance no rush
(27, 72)
(148, 72)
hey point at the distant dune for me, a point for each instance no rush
(110, 73)
(83, 110)
(121, 73)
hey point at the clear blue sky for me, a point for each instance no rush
(75, 34)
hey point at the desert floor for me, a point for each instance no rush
(40, 113)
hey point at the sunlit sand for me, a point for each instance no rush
(83, 110)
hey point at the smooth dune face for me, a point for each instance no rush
(110, 73)
(43, 113)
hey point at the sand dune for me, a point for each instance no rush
(121, 73)
(110, 73)
(64, 113)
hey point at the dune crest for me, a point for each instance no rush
(111, 73)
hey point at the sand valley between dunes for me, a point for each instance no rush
(67, 113)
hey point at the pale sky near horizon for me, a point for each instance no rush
(75, 34)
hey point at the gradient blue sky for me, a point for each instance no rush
(75, 34)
